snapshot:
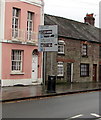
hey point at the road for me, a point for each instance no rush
(82, 105)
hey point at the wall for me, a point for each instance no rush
(23, 16)
(8, 45)
(27, 62)
(73, 55)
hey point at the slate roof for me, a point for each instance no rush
(73, 29)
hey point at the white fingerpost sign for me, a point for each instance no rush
(48, 38)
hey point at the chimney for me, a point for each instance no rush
(89, 19)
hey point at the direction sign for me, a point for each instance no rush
(48, 38)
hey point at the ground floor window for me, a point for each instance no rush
(17, 56)
(60, 69)
(84, 70)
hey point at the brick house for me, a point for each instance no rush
(79, 49)
(20, 61)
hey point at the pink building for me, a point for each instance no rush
(20, 61)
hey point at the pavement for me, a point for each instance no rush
(38, 91)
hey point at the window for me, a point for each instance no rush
(100, 52)
(15, 23)
(60, 71)
(84, 70)
(17, 60)
(61, 47)
(29, 25)
(84, 50)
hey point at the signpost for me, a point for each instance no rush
(48, 38)
(48, 42)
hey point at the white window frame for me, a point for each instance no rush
(84, 49)
(30, 25)
(61, 47)
(15, 26)
(16, 59)
(84, 70)
(60, 69)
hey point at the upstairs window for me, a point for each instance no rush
(84, 50)
(60, 69)
(15, 23)
(29, 26)
(61, 44)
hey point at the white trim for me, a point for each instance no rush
(61, 43)
(12, 82)
(71, 72)
(0, 60)
(34, 2)
(42, 23)
(17, 73)
(42, 15)
(2, 19)
(60, 64)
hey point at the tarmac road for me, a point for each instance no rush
(82, 105)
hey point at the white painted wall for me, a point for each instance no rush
(2, 15)
(12, 82)
(0, 60)
(42, 23)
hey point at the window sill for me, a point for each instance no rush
(61, 53)
(60, 76)
(84, 76)
(85, 56)
(17, 73)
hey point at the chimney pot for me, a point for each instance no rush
(89, 19)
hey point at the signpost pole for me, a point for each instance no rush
(48, 43)
(44, 67)
(51, 63)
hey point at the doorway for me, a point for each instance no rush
(99, 73)
(34, 68)
(94, 72)
(69, 72)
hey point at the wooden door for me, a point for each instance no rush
(94, 72)
(69, 72)
(99, 73)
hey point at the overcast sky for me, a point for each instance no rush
(73, 9)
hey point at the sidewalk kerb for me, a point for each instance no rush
(49, 95)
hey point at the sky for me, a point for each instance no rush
(73, 9)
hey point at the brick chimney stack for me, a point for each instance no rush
(89, 19)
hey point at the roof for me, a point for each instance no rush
(73, 29)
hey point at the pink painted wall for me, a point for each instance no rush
(7, 47)
(24, 7)
(27, 64)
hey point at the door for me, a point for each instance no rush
(100, 73)
(94, 72)
(34, 68)
(69, 72)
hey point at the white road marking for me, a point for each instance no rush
(96, 115)
(77, 116)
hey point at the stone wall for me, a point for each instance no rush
(73, 55)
